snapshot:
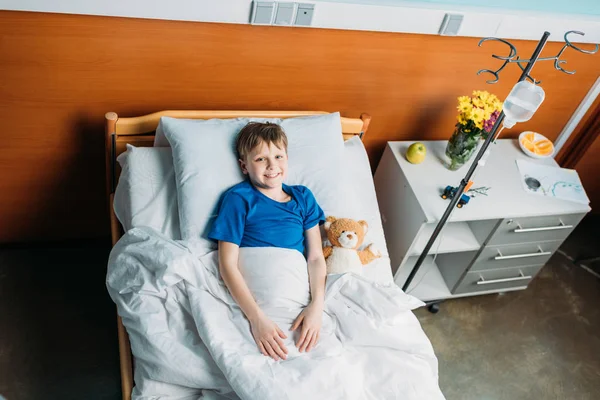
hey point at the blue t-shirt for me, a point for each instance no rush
(249, 218)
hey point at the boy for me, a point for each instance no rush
(262, 211)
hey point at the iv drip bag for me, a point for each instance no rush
(522, 102)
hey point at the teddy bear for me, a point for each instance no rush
(345, 236)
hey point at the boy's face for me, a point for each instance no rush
(266, 165)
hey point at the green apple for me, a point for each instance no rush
(416, 153)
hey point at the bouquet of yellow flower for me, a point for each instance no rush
(476, 118)
(479, 113)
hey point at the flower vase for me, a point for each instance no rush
(461, 147)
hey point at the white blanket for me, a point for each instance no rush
(190, 338)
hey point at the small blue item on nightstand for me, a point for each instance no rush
(449, 192)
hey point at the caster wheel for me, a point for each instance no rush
(444, 197)
(433, 308)
(459, 205)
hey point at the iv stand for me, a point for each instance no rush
(460, 190)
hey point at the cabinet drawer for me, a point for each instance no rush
(535, 229)
(497, 279)
(496, 257)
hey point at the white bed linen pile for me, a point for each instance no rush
(192, 341)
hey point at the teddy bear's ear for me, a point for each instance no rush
(328, 221)
(364, 224)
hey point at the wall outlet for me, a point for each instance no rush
(304, 14)
(281, 13)
(285, 13)
(451, 24)
(262, 12)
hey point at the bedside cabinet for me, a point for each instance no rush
(495, 243)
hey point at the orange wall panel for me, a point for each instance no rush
(588, 168)
(61, 73)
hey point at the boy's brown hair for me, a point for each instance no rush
(254, 133)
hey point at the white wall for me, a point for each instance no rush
(233, 11)
(561, 7)
(411, 18)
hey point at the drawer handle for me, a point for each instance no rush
(540, 252)
(521, 276)
(543, 228)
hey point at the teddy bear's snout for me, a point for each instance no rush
(348, 239)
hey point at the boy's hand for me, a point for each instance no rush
(310, 318)
(268, 337)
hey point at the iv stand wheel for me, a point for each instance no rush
(433, 307)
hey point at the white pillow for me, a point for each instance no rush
(206, 166)
(146, 194)
(366, 208)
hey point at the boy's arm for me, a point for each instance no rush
(228, 266)
(311, 317)
(317, 269)
(265, 332)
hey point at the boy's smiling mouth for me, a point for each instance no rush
(273, 175)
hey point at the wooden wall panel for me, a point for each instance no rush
(588, 168)
(571, 152)
(61, 73)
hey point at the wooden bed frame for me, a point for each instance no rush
(139, 132)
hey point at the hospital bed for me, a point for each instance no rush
(140, 133)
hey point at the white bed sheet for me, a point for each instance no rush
(372, 347)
